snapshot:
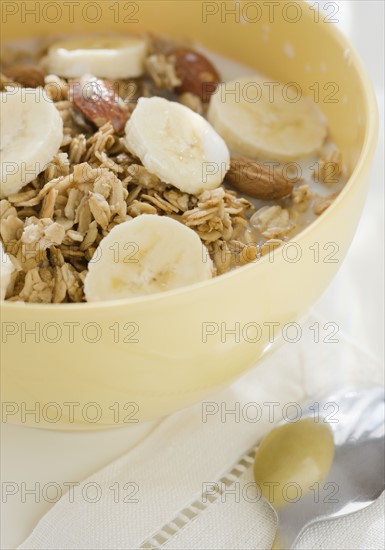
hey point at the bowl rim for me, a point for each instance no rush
(363, 162)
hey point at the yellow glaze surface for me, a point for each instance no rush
(171, 366)
(291, 459)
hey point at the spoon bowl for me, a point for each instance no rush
(327, 464)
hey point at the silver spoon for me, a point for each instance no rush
(325, 465)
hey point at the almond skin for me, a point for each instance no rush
(258, 180)
(28, 76)
(196, 73)
(97, 100)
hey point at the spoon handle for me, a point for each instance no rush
(276, 544)
(288, 532)
(285, 538)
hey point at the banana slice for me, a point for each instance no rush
(177, 145)
(107, 58)
(146, 255)
(31, 134)
(258, 117)
(6, 270)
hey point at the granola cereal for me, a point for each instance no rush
(51, 227)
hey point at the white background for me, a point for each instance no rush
(354, 301)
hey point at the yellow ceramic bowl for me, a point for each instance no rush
(104, 364)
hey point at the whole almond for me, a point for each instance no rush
(28, 76)
(196, 73)
(97, 100)
(261, 181)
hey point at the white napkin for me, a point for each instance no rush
(159, 493)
